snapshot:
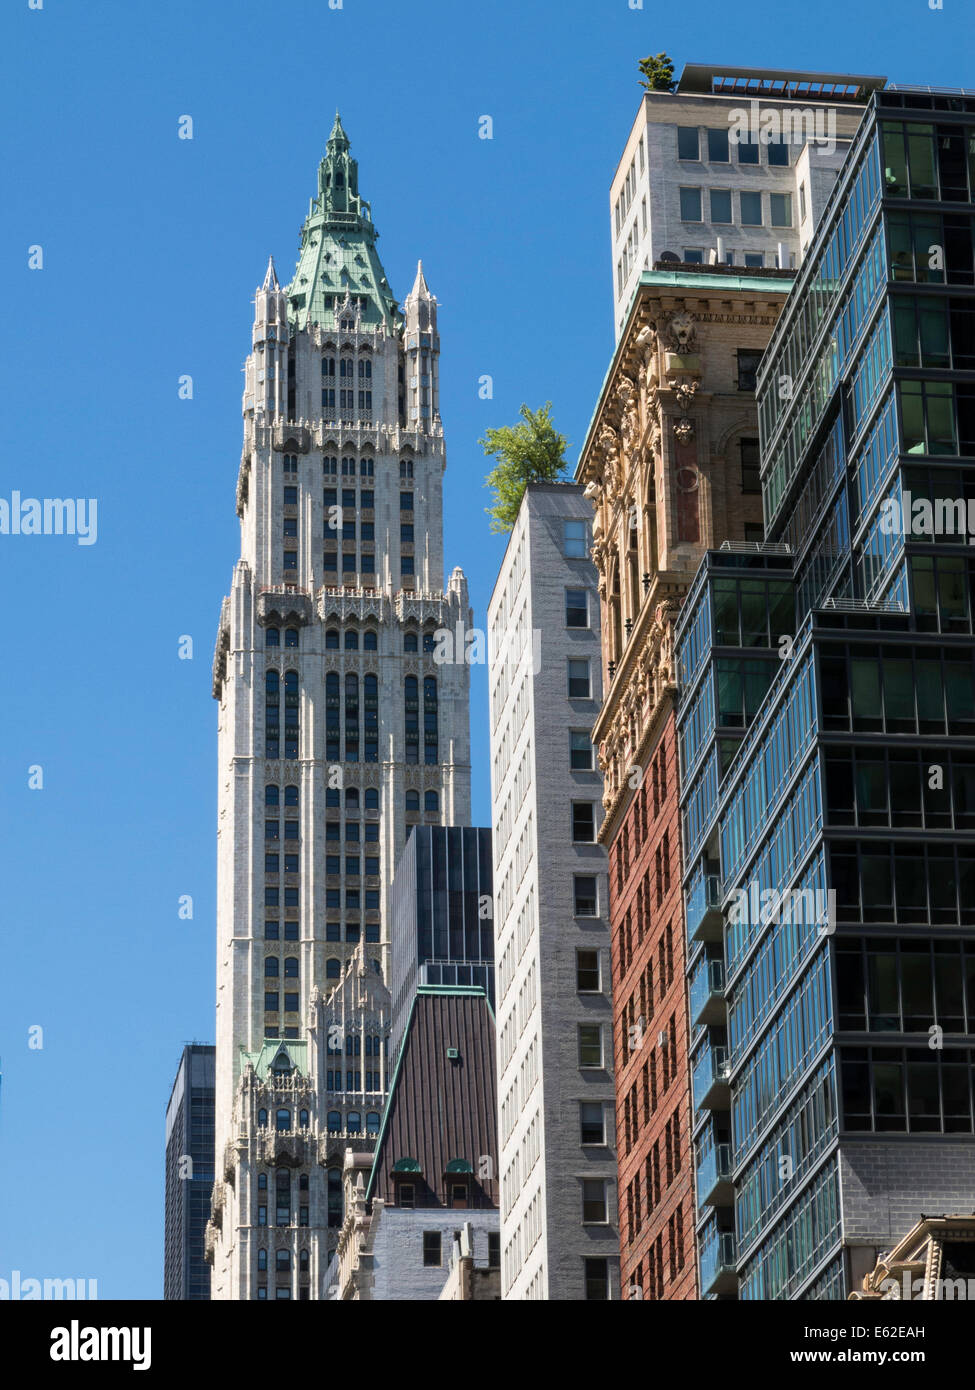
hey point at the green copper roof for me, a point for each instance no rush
(337, 260)
(263, 1061)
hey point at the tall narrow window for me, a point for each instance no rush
(291, 714)
(351, 718)
(430, 738)
(412, 695)
(272, 714)
(370, 704)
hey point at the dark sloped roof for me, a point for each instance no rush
(442, 1108)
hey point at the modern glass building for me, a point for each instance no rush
(827, 745)
(442, 925)
(189, 1174)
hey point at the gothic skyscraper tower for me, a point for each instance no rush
(338, 728)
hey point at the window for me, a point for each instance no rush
(583, 822)
(780, 205)
(693, 256)
(747, 152)
(751, 209)
(270, 1002)
(271, 965)
(431, 801)
(590, 1045)
(333, 968)
(748, 362)
(594, 1201)
(688, 142)
(272, 637)
(754, 260)
(587, 970)
(291, 559)
(585, 895)
(596, 1273)
(580, 751)
(690, 205)
(591, 1122)
(718, 152)
(431, 1248)
(750, 466)
(282, 1121)
(412, 801)
(778, 153)
(720, 205)
(406, 565)
(406, 501)
(579, 682)
(576, 608)
(576, 540)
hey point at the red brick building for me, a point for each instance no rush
(669, 465)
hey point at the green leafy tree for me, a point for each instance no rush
(658, 73)
(532, 451)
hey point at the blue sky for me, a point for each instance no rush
(152, 249)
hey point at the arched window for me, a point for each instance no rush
(272, 637)
(291, 965)
(370, 709)
(429, 641)
(413, 801)
(328, 366)
(365, 368)
(431, 801)
(333, 968)
(410, 642)
(351, 640)
(291, 637)
(331, 639)
(303, 1119)
(351, 718)
(430, 744)
(334, 1121)
(271, 969)
(262, 1259)
(291, 714)
(262, 1118)
(272, 796)
(262, 1182)
(372, 798)
(282, 1121)
(370, 641)
(282, 1261)
(352, 797)
(272, 713)
(354, 1123)
(372, 1122)
(332, 716)
(412, 699)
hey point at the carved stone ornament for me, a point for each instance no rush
(681, 333)
(684, 391)
(684, 430)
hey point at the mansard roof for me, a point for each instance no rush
(442, 1108)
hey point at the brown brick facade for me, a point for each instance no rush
(656, 1188)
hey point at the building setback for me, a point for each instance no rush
(338, 729)
(189, 1174)
(670, 465)
(736, 163)
(441, 905)
(559, 1236)
(828, 828)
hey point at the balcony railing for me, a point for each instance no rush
(704, 910)
(707, 992)
(718, 1263)
(710, 1080)
(714, 1177)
